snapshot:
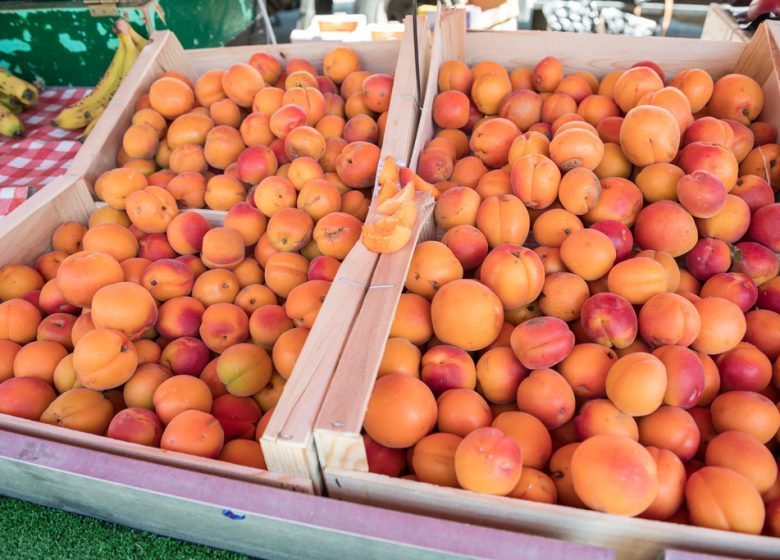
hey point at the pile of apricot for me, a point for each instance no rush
(271, 135)
(599, 325)
(153, 327)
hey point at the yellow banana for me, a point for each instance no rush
(131, 52)
(92, 123)
(24, 91)
(79, 114)
(138, 39)
(11, 103)
(10, 125)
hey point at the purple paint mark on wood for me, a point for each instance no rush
(324, 513)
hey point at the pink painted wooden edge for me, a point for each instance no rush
(324, 513)
(673, 554)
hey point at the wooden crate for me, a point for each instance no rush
(288, 443)
(248, 518)
(719, 25)
(338, 427)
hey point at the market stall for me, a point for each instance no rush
(421, 290)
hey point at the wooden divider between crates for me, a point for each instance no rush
(339, 425)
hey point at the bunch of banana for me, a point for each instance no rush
(84, 113)
(15, 95)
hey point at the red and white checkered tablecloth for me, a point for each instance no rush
(42, 154)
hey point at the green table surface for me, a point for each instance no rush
(31, 532)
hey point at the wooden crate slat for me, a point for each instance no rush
(338, 431)
(376, 56)
(26, 232)
(633, 538)
(248, 518)
(288, 444)
(338, 426)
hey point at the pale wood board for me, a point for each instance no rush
(25, 233)
(719, 25)
(247, 518)
(288, 443)
(338, 428)
(51, 434)
(632, 538)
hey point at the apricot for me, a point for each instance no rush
(499, 373)
(82, 274)
(139, 390)
(340, 63)
(736, 287)
(755, 260)
(530, 434)
(285, 271)
(560, 470)
(669, 319)
(433, 459)
(649, 135)
(171, 97)
(720, 498)
(514, 273)
(744, 368)
(194, 432)
(461, 411)
(722, 325)
(636, 383)
(467, 314)
(412, 319)
(126, 307)
(637, 279)
(563, 295)
(336, 233)
(215, 286)
(696, 84)
(356, 164)
(763, 226)
(671, 485)
(633, 84)
(737, 97)
(746, 412)
(503, 219)
(400, 356)
(208, 88)
(535, 180)
(609, 319)
(456, 207)
(223, 325)
(25, 397)
(745, 455)
(287, 349)
(676, 236)
(600, 416)
(155, 246)
(762, 329)
(702, 194)
(85, 410)
(714, 158)
(488, 90)
(222, 248)
(754, 190)
(671, 428)
(555, 106)
(400, 423)
(68, 235)
(595, 468)
(223, 146)
(586, 368)
(488, 462)
(136, 425)
(588, 253)
(576, 147)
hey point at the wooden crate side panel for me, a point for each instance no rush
(601, 54)
(151, 454)
(632, 538)
(25, 233)
(256, 520)
(98, 154)
(337, 430)
(719, 25)
(375, 56)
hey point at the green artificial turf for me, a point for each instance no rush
(31, 532)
